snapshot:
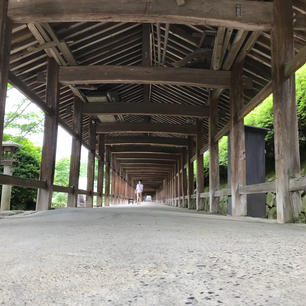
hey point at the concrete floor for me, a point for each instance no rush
(149, 255)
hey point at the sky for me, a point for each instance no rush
(63, 139)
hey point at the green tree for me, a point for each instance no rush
(22, 120)
(27, 166)
(62, 169)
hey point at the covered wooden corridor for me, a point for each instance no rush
(149, 86)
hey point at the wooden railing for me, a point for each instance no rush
(35, 184)
(296, 184)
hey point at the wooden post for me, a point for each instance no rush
(126, 188)
(190, 173)
(91, 164)
(75, 154)
(5, 44)
(179, 181)
(183, 179)
(200, 169)
(237, 144)
(287, 160)
(113, 181)
(214, 174)
(100, 170)
(44, 196)
(107, 176)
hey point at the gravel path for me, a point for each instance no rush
(149, 255)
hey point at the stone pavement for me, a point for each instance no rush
(149, 255)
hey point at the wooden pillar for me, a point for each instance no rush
(126, 187)
(107, 176)
(237, 144)
(44, 196)
(100, 178)
(214, 174)
(190, 173)
(287, 160)
(200, 169)
(179, 181)
(113, 182)
(91, 164)
(75, 154)
(183, 179)
(5, 45)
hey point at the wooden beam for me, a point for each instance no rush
(286, 141)
(101, 108)
(146, 162)
(295, 63)
(144, 155)
(95, 74)
(128, 128)
(5, 44)
(237, 144)
(21, 182)
(44, 196)
(145, 149)
(75, 154)
(249, 15)
(165, 141)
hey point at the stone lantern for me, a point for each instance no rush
(8, 159)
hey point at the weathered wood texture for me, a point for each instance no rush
(101, 163)
(44, 196)
(237, 144)
(75, 154)
(214, 172)
(5, 43)
(200, 169)
(122, 108)
(287, 161)
(70, 75)
(91, 164)
(162, 128)
(21, 182)
(250, 15)
(138, 140)
(190, 186)
(107, 176)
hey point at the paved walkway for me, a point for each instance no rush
(149, 255)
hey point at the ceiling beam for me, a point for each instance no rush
(128, 128)
(144, 155)
(165, 141)
(131, 149)
(146, 162)
(97, 74)
(99, 108)
(249, 15)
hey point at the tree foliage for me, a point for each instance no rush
(22, 120)
(28, 166)
(262, 116)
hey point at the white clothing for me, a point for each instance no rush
(139, 188)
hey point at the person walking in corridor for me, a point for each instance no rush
(139, 190)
